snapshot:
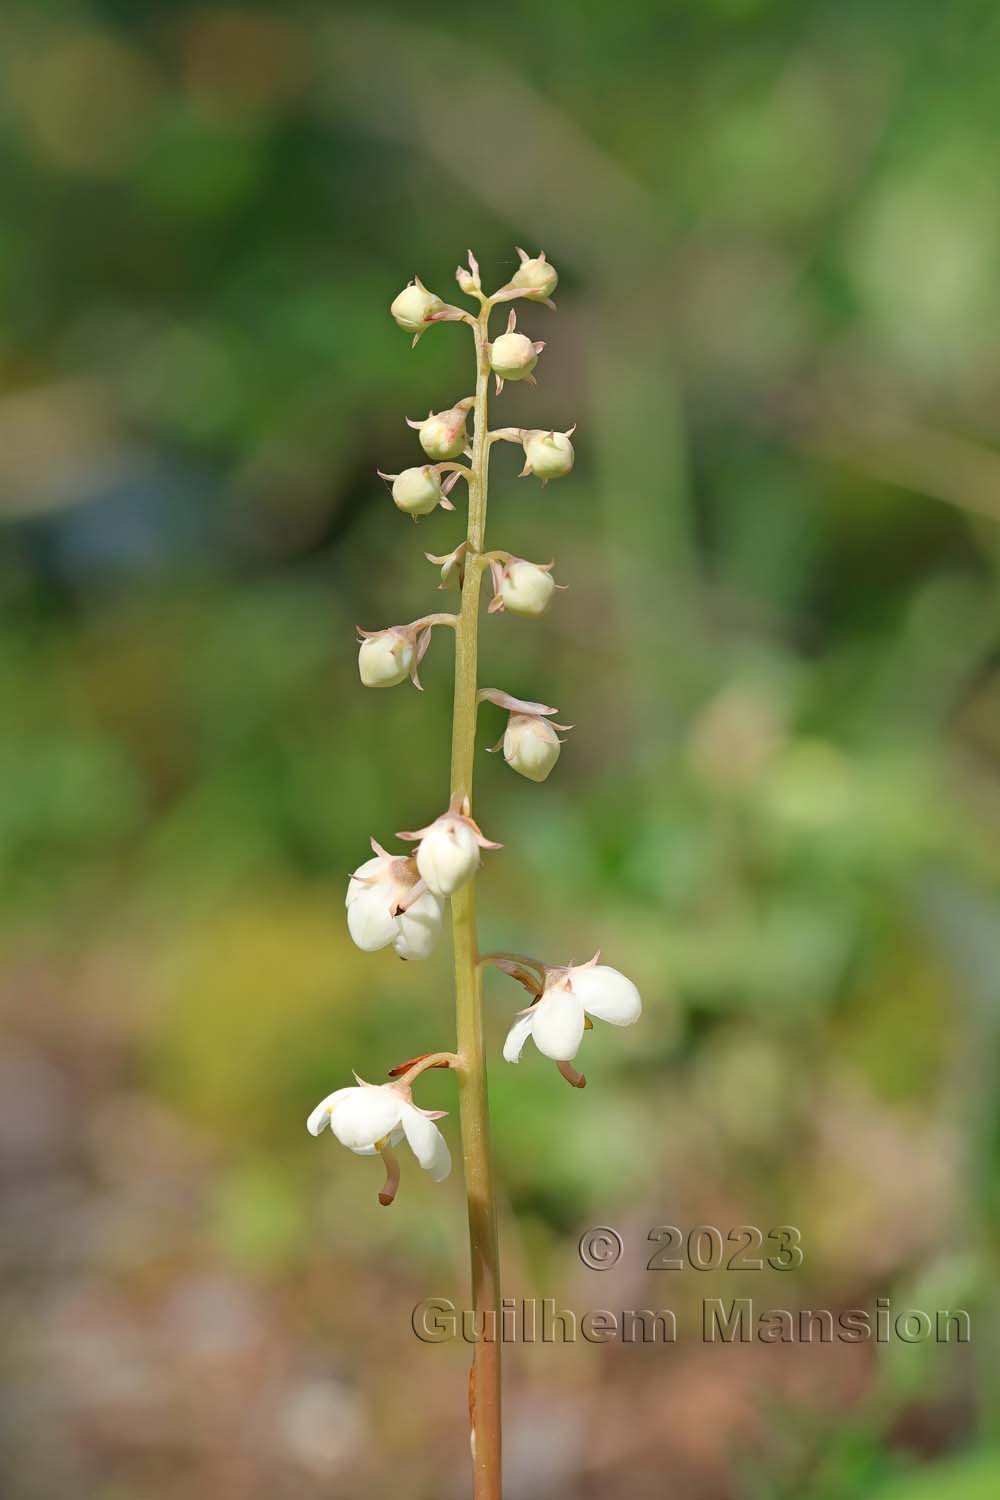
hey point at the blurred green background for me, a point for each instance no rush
(777, 227)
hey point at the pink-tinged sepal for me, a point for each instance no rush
(469, 280)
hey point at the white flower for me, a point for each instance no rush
(535, 277)
(530, 746)
(386, 657)
(442, 433)
(512, 355)
(549, 455)
(414, 306)
(557, 1021)
(416, 491)
(530, 743)
(525, 587)
(448, 851)
(372, 1118)
(387, 903)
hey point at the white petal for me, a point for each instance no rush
(369, 917)
(320, 1117)
(606, 994)
(517, 1036)
(448, 855)
(426, 1142)
(419, 927)
(363, 1116)
(361, 880)
(394, 1140)
(558, 1024)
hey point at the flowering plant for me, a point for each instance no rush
(397, 900)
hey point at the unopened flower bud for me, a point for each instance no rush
(530, 743)
(417, 491)
(452, 565)
(415, 306)
(468, 280)
(443, 434)
(385, 658)
(549, 455)
(525, 587)
(448, 851)
(530, 746)
(535, 276)
(512, 355)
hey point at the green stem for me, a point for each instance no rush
(484, 1379)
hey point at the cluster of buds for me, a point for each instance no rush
(397, 901)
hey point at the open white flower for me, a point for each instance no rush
(388, 904)
(448, 851)
(558, 1019)
(370, 1119)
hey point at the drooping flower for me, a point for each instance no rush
(389, 655)
(370, 1119)
(531, 746)
(420, 490)
(547, 455)
(389, 904)
(448, 850)
(513, 356)
(530, 743)
(442, 433)
(386, 657)
(558, 1018)
(521, 587)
